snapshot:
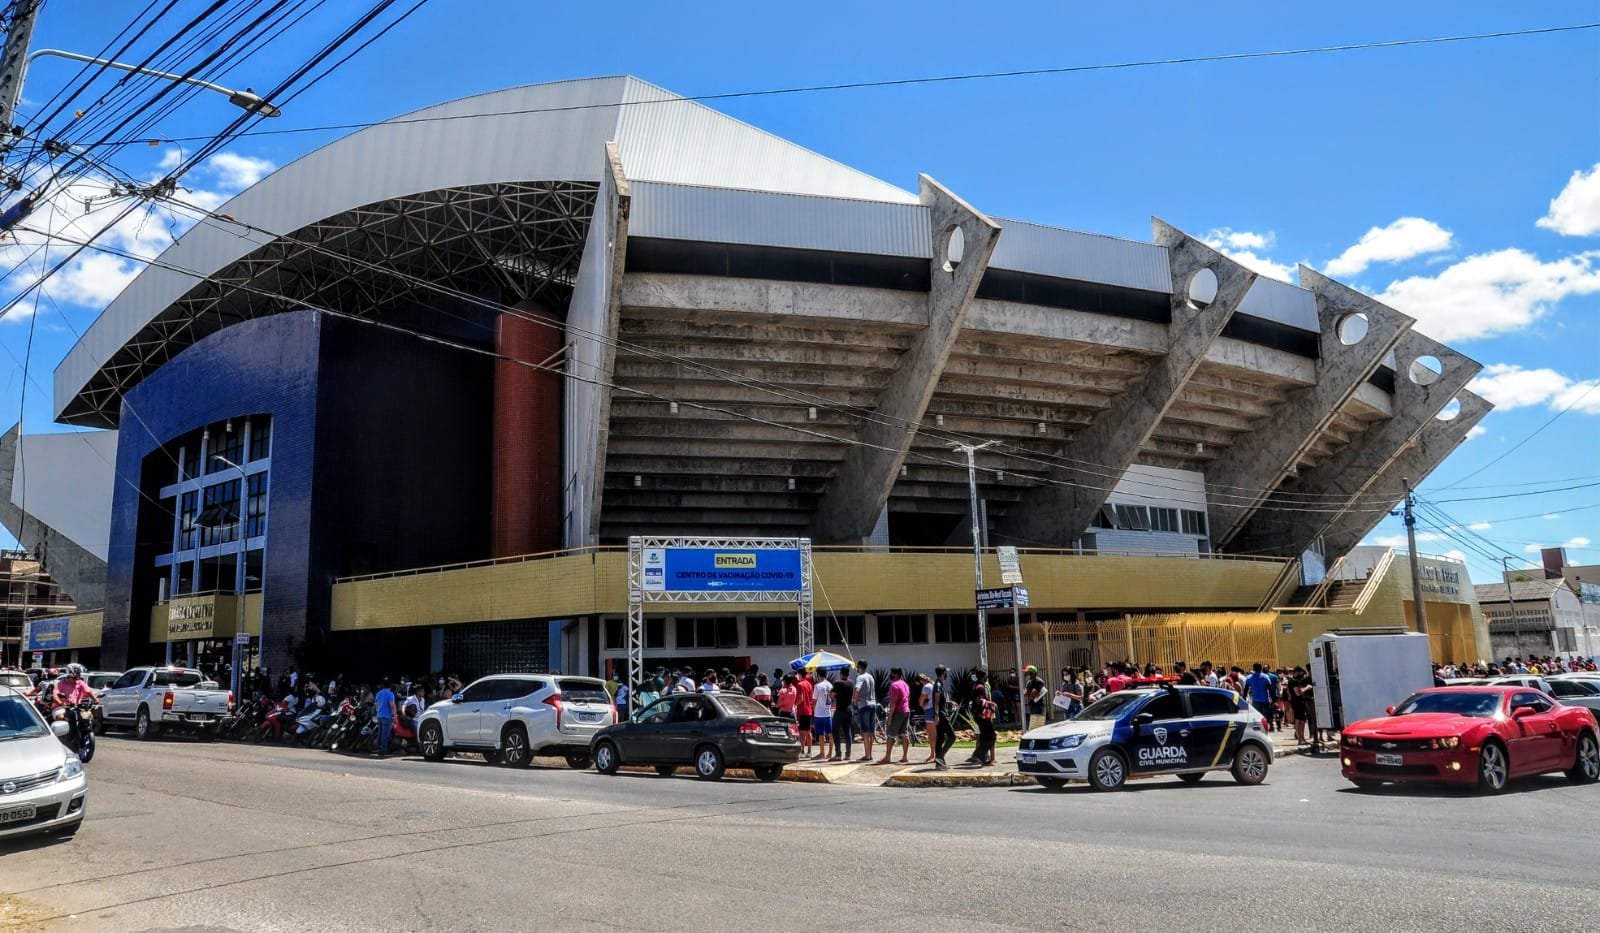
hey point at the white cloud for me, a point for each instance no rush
(1389, 541)
(1492, 293)
(1576, 210)
(1579, 542)
(1509, 386)
(1476, 430)
(1479, 526)
(235, 171)
(1245, 247)
(1406, 238)
(93, 279)
(1551, 516)
(1530, 549)
(1456, 554)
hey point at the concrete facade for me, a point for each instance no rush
(80, 573)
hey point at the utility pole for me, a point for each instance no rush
(971, 451)
(14, 59)
(1511, 596)
(1416, 565)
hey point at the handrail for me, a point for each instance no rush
(1281, 586)
(1370, 588)
(1319, 594)
(823, 548)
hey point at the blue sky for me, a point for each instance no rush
(1421, 174)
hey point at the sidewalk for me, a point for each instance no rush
(919, 774)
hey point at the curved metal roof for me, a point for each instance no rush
(539, 133)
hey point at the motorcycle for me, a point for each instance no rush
(80, 721)
(275, 723)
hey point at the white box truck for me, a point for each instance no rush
(1359, 675)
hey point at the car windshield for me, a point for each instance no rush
(1111, 706)
(735, 705)
(18, 720)
(1480, 704)
(177, 679)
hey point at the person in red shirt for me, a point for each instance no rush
(802, 713)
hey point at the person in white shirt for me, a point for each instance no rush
(709, 683)
(822, 715)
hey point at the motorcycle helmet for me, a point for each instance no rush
(76, 669)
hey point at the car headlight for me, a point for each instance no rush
(1066, 741)
(1449, 741)
(1354, 740)
(70, 770)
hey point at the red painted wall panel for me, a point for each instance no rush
(527, 434)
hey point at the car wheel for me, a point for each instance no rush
(1250, 764)
(577, 760)
(768, 772)
(1191, 777)
(143, 728)
(1494, 770)
(1051, 784)
(666, 770)
(432, 742)
(1586, 762)
(708, 763)
(606, 759)
(1107, 770)
(514, 751)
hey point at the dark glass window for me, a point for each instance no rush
(616, 637)
(839, 630)
(1164, 706)
(260, 437)
(191, 458)
(219, 513)
(1163, 519)
(227, 444)
(655, 633)
(902, 630)
(1194, 523)
(186, 520)
(256, 507)
(708, 633)
(955, 629)
(772, 631)
(1211, 704)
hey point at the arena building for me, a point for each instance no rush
(412, 394)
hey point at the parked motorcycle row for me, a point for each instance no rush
(348, 726)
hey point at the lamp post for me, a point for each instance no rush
(246, 99)
(971, 451)
(239, 575)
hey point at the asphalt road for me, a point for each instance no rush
(182, 835)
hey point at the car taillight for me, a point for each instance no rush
(751, 728)
(230, 699)
(166, 701)
(554, 702)
(1263, 724)
(794, 731)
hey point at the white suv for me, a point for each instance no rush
(512, 717)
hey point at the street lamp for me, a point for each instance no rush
(246, 99)
(977, 542)
(239, 578)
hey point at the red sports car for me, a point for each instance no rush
(1473, 735)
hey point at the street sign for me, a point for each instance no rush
(38, 659)
(1021, 595)
(998, 597)
(1010, 569)
(242, 638)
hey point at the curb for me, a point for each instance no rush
(940, 779)
(797, 775)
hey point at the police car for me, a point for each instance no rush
(1168, 729)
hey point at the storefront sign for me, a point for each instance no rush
(48, 634)
(192, 618)
(1010, 569)
(721, 570)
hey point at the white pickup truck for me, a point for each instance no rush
(152, 698)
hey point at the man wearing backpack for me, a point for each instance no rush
(942, 731)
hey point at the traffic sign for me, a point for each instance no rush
(242, 638)
(1021, 595)
(998, 597)
(1010, 569)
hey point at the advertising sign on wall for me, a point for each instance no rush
(725, 570)
(48, 634)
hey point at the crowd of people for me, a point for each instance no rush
(1529, 665)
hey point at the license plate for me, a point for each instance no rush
(1027, 758)
(1394, 760)
(17, 814)
(588, 717)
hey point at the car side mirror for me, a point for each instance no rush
(1522, 711)
(456, 698)
(60, 728)
(1389, 710)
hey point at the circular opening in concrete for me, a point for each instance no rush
(955, 247)
(1425, 370)
(1202, 288)
(1352, 328)
(1449, 412)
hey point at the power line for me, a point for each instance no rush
(1536, 431)
(944, 79)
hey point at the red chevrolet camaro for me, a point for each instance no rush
(1473, 735)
